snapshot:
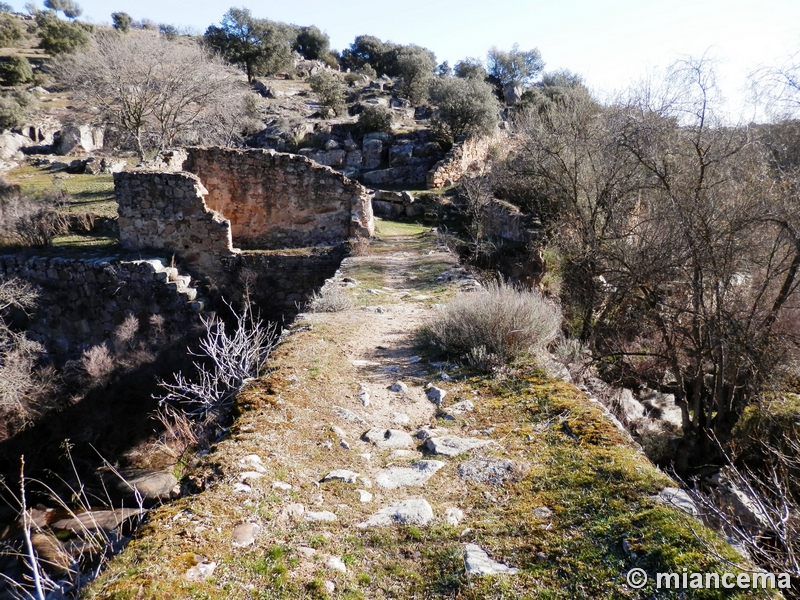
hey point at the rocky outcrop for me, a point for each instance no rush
(77, 139)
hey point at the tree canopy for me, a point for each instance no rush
(261, 46)
(515, 67)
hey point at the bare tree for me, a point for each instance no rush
(779, 88)
(157, 91)
(680, 244)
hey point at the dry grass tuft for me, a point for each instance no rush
(494, 327)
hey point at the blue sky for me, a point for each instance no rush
(611, 43)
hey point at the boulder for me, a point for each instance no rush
(372, 152)
(386, 210)
(151, 485)
(94, 520)
(11, 144)
(512, 93)
(78, 139)
(353, 158)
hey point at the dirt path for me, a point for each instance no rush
(345, 477)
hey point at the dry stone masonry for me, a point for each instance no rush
(277, 200)
(82, 301)
(203, 200)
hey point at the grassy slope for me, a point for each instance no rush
(599, 489)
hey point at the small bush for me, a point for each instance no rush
(10, 31)
(330, 92)
(375, 118)
(26, 222)
(352, 78)
(15, 70)
(331, 298)
(11, 113)
(492, 328)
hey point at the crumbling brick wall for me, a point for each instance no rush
(276, 200)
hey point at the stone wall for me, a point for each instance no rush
(462, 158)
(280, 282)
(159, 210)
(276, 200)
(82, 301)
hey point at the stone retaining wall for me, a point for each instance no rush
(276, 200)
(161, 210)
(82, 301)
(280, 283)
(463, 157)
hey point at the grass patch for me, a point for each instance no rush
(90, 193)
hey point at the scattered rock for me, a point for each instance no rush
(342, 475)
(542, 513)
(305, 551)
(344, 444)
(330, 587)
(280, 485)
(250, 476)
(338, 432)
(491, 471)
(151, 485)
(335, 563)
(399, 387)
(400, 419)
(678, 498)
(363, 394)
(324, 516)
(414, 511)
(426, 432)
(450, 445)
(460, 408)
(291, 513)
(348, 415)
(364, 496)
(201, 571)
(415, 475)
(242, 487)
(453, 516)
(435, 394)
(245, 534)
(253, 461)
(479, 563)
(388, 438)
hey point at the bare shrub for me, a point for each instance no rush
(27, 222)
(98, 363)
(494, 327)
(21, 387)
(760, 509)
(330, 298)
(125, 333)
(227, 362)
(574, 355)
